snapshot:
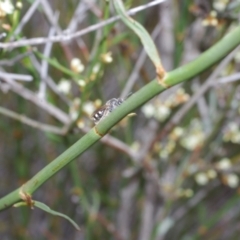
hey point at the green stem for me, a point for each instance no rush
(184, 73)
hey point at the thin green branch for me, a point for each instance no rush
(184, 73)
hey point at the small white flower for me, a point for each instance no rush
(19, 4)
(81, 83)
(220, 5)
(73, 114)
(224, 164)
(148, 110)
(170, 146)
(6, 7)
(201, 178)
(163, 153)
(64, 86)
(162, 112)
(232, 133)
(96, 68)
(236, 137)
(191, 142)
(177, 133)
(194, 137)
(107, 57)
(232, 180)
(211, 174)
(76, 65)
(74, 109)
(98, 103)
(88, 108)
(80, 124)
(211, 19)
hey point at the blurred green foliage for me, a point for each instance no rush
(166, 173)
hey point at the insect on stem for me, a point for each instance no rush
(107, 108)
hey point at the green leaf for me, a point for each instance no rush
(54, 62)
(144, 36)
(45, 208)
(20, 204)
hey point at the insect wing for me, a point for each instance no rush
(113, 103)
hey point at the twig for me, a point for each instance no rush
(44, 67)
(148, 213)
(94, 9)
(29, 95)
(62, 37)
(232, 78)
(32, 123)
(202, 108)
(78, 16)
(21, 77)
(26, 17)
(14, 60)
(109, 226)
(50, 82)
(52, 18)
(127, 208)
